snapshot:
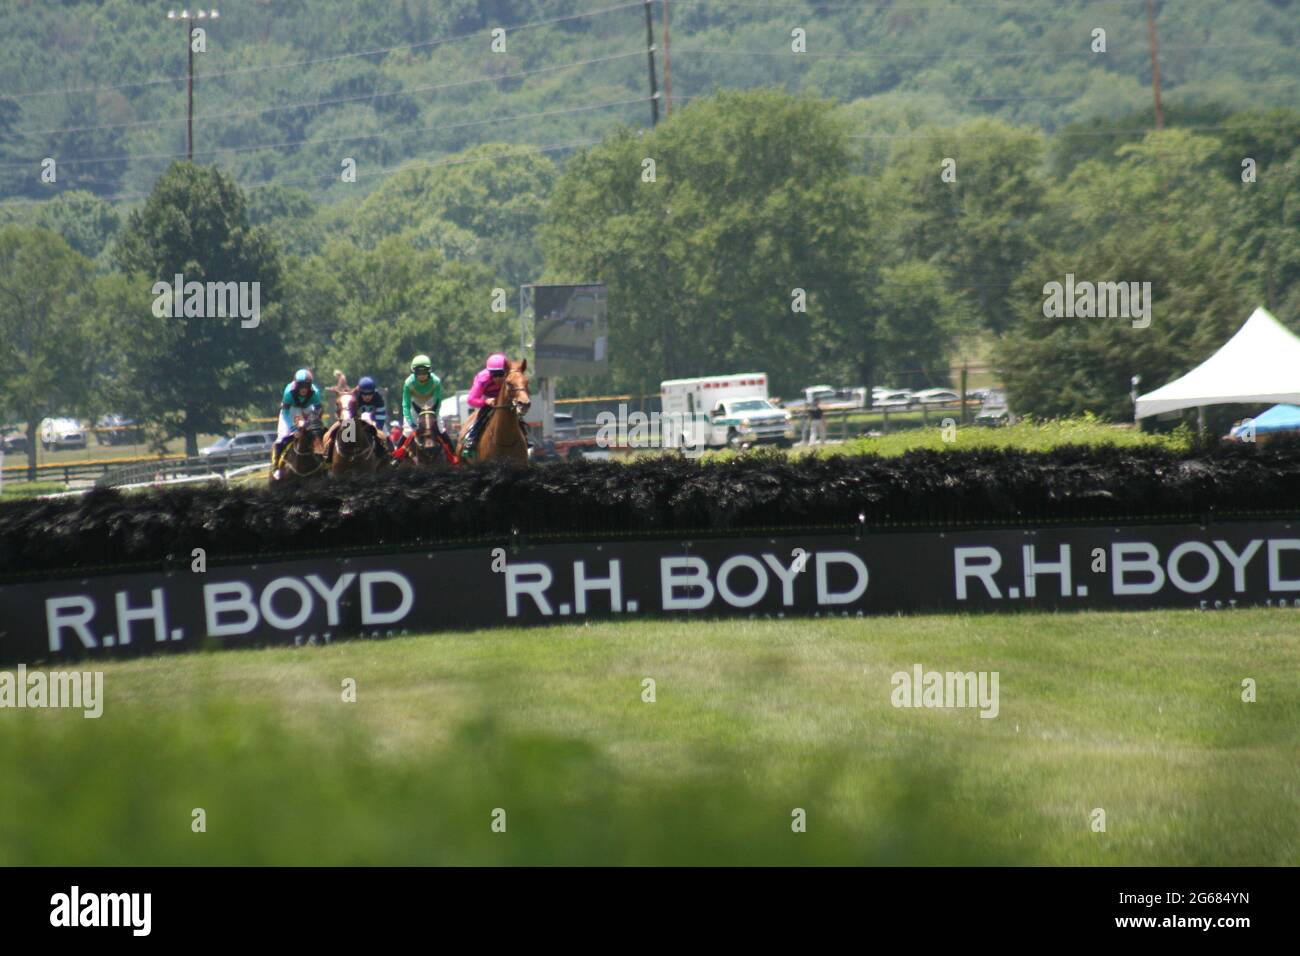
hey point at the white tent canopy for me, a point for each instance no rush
(1261, 363)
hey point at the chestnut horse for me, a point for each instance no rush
(304, 457)
(353, 442)
(503, 435)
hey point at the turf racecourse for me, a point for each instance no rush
(1139, 714)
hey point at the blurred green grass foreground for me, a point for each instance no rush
(1139, 715)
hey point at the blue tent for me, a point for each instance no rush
(1279, 418)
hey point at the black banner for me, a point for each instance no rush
(177, 905)
(326, 599)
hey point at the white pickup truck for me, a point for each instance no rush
(59, 433)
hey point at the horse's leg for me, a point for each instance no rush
(464, 432)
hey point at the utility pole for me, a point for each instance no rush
(189, 18)
(650, 55)
(964, 371)
(1155, 62)
(668, 69)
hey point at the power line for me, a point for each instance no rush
(384, 134)
(887, 6)
(853, 55)
(313, 104)
(939, 132)
(437, 41)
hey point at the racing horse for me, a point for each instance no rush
(503, 436)
(426, 447)
(353, 443)
(304, 457)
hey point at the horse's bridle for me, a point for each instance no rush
(510, 399)
(431, 433)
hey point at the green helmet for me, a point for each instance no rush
(421, 360)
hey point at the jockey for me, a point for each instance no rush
(369, 401)
(424, 388)
(302, 395)
(482, 395)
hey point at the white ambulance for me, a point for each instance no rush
(721, 410)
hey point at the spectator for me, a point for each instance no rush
(816, 422)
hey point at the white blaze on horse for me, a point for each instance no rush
(353, 442)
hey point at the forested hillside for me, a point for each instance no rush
(481, 169)
(285, 90)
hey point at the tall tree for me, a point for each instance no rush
(395, 301)
(86, 222)
(968, 202)
(1159, 217)
(484, 203)
(46, 344)
(1264, 231)
(193, 373)
(743, 244)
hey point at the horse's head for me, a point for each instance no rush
(426, 426)
(514, 391)
(346, 406)
(308, 432)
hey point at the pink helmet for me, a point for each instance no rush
(496, 362)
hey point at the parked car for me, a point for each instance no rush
(937, 396)
(829, 399)
(992, 417)
(242, 445)
(116, 430)
(61, 433)
(902, 399)
(13, 441)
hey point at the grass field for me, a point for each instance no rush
(1025, 435)
(12, 490)
(1138, 714)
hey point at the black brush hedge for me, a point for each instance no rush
(413, 509)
